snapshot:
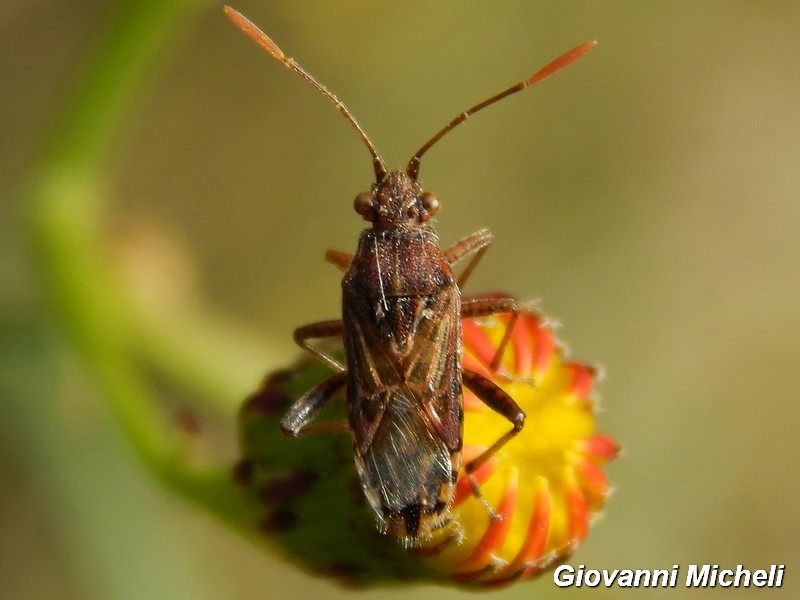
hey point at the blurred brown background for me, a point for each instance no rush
(649, 194)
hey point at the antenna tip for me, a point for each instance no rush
(561, 62)
(230, 12)
(253, 32)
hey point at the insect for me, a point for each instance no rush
(401, 326)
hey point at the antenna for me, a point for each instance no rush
(263, 40)
(562, 61)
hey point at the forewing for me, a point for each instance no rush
(372, 371)
(434, 367)
(410, 342)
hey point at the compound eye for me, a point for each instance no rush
(364, 205)
(430, 203)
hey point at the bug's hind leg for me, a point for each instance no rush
(499, 401)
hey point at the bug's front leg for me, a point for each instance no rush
(321, 329)
(472, 308)
(304, 410)
(340, 260)
(474, 245)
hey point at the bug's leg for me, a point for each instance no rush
(321, 329)
(468, 246)
(499, 401)
(305, 409)
(339, 259)
(474, 245)
(472, 308)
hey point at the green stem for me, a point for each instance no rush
(112, 80)
(67, 208)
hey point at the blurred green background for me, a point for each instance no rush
(649, 194)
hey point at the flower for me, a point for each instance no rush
(537, 492)
(544, 484)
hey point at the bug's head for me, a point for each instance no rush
(396, 201)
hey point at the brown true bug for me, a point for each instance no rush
(401, 325)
